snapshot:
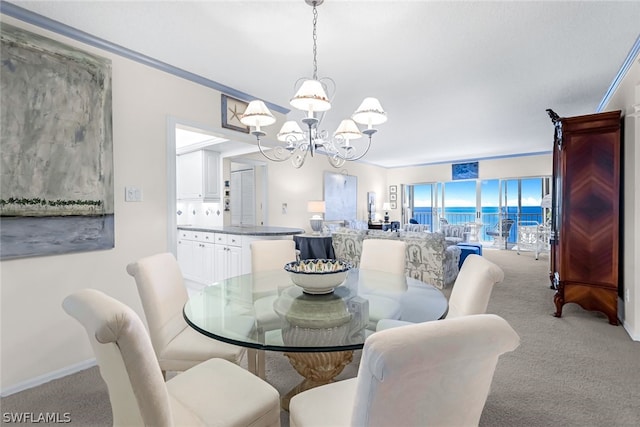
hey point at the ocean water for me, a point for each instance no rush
(489, 217)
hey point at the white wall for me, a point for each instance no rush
(38, 338)
(626, 96)
(295, 187)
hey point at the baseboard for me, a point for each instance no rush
(34, 382)
(634, 336)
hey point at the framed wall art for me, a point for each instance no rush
(232, 109)
(340, 196)
(56, 148)
(464, 170)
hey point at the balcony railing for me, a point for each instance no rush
(488, 221)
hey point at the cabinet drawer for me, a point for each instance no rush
(234, 240)
(185, 235)
(221, 238)
(206, 237)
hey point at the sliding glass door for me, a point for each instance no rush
(479, 204)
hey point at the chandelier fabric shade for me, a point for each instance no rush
(370, 113)
(348, 130)
(257, 114)
(311, 97)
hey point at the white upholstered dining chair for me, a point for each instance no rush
(383, 255)
(471, 291)
(267, 255)
(215, 392)
(163, 294)
(386, 255)
(426, 374)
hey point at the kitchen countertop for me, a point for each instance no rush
(249, 230)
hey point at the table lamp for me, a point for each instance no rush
(385, 207)
(317, 208)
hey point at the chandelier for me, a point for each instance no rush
(311, 97)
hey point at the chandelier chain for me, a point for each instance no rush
(315, 43)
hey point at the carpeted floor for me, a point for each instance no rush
(574, 371)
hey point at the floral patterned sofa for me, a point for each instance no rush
(428, 256)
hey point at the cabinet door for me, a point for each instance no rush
(211, 175)
(234, 254)
(209, 269)
(219, 262)
(198, 176)
(189, 172)
(185, 249)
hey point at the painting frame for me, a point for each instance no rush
(231, 121)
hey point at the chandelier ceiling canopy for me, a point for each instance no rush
(311, 98)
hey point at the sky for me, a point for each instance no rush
(463, 193)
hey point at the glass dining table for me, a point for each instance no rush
(318, 333)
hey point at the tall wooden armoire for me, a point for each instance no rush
(585, 230)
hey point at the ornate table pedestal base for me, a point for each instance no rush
(317, 369)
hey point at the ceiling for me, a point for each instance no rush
(460, 80)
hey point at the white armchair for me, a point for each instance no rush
(215, 392)
(427, 374)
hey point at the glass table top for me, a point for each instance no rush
(267, 311)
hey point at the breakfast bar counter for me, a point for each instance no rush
(246, 230)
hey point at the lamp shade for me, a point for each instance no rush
(316, 206)
(311, 97)
(370, 112)
(348, 130)
(257, 114)
(290, 132)
(386, 206)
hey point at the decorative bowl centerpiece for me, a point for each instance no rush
(318, 276)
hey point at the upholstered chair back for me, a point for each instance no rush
(473, 286)
(383, 255)
(125, 355)
(347, 245)
(427, 374)
(163, 295)
(271, 254)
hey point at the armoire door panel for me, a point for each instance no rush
(585, 229)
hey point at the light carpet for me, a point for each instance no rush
(573, 371)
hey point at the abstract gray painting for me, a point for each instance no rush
(56, 148)
(340, 196)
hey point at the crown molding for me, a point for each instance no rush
(43, 22)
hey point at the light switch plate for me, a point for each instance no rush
(132, 194)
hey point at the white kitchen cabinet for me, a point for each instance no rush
(198, 175)
(228, 256)
(196, 256)
(185, 248)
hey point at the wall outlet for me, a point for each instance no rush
(284, 209)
